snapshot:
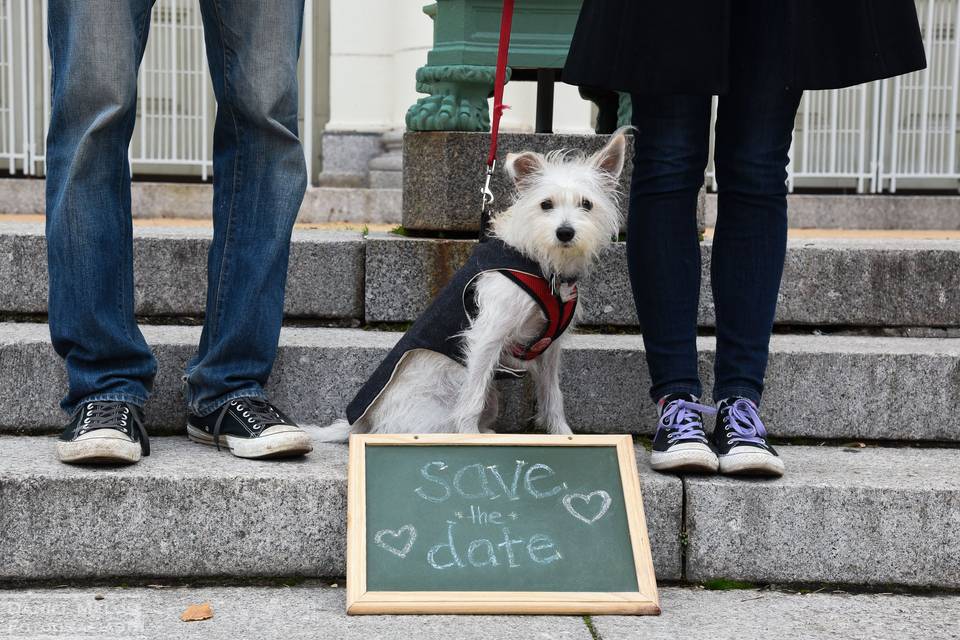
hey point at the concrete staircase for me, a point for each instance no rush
(864, 382)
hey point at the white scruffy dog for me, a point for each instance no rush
(564, 213)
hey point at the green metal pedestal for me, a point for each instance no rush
(459, 72)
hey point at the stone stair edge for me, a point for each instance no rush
(604, 379)
(844, 483)
(193, 200)
(306, 234)
(806, 241)
(379, 278)
(14, 331)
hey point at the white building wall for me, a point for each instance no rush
(376, 47)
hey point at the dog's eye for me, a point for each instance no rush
(586, 205)
(546, 205)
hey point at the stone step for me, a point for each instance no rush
(874, 516)
(325, 280)
(824, 387)
(194, 511)
(823, 211)
(387, 278)
(833, 281)
(194, 200)
(314, 609)
(849, 211)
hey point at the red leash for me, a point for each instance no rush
(500, 79)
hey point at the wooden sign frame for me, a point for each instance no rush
(645, 601)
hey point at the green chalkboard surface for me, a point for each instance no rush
(503, 517)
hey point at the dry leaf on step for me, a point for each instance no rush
(197, 612)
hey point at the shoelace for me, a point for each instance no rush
(681, 416)
(743, 419)
(115, 415)
(259, 413)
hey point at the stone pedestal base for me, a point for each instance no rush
(444, 172)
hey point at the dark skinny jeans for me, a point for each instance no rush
(753, 136)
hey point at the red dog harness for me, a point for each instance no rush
(558, 307)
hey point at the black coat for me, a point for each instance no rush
(711, 46)
(440, 328)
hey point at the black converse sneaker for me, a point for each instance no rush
(741, 441)
(250, 428)
(104, 432)
(680, 443)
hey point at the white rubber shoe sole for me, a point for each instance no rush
(103, 446)
(689, 456)
(751, 461)
(278, 441)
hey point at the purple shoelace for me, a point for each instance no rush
(681, 416)
(742, 417)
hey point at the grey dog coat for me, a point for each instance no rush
(441, 326)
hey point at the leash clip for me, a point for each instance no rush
(485, 191)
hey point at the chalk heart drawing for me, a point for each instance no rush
(395, 538)
(586, 499)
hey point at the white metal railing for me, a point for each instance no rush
(176, 112)
(897, 133)
(175, 104)
(923, 107)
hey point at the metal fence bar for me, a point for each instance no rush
(878, 135)
(925, 96)
(6, 65)
(955, 93)
(40, 157)
(24, 93)
(31, 81)
(307, 135)
(861, 147)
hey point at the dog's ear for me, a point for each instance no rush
(610, 159)
(521, 166)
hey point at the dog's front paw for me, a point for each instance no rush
(467, 425)
(553, 427)
(561, 430)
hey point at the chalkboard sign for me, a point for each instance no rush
(495, 523)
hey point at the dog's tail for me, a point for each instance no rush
(339, 431)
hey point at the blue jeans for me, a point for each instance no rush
(753, 135)
(259, 180)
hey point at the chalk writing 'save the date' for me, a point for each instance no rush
(484, 484)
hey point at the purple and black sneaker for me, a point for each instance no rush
(740, 440)
(680, 443)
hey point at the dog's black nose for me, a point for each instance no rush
(565, 233)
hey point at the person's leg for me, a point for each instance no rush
(259, 182)
(95, 50)
(754, 131)
(663, 249)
